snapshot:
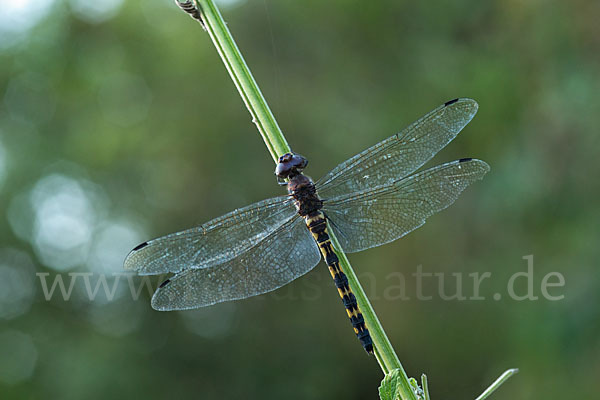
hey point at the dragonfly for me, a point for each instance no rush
(371, 199)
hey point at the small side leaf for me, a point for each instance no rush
(390, 387)
(388, 390)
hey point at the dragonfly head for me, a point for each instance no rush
(290, 165)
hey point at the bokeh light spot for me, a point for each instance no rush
(65, 217)
(17, 286)
(112, 242)
(18, 17)
(19, 357)
(95, 11)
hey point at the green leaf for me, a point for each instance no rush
(389, 389)
(391, 386)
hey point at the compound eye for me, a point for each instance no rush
(283, 169)
(286, 157)
(299, 161)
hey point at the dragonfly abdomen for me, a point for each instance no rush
(317, 224)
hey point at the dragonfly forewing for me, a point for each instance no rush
(401, 154)
(380, 215)
(282, 256)
(215, 242)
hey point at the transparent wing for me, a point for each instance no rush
(284, 255)
(401, 154)
(375, 217)
(213, 243)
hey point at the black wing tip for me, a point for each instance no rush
(165, 283)
(464, 101)
(140, 246)
(129, 262)
(475, 161)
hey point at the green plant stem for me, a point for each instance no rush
(277, 145)
(262, 116)
(425, 386)
(496, 384)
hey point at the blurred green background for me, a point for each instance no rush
(119, 123)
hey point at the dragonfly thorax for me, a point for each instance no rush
(300, 187)
(303, 190)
